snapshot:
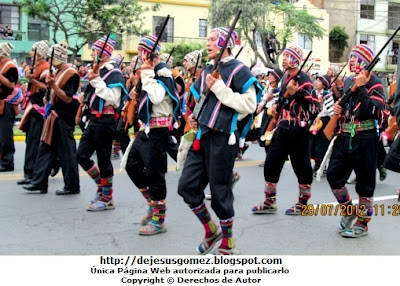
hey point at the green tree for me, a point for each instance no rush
(86, 20)
(337, 43)
(183, 48)
(258, 21)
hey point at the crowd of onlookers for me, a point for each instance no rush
(6, 33)
(392, 56)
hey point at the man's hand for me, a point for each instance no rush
(292, 87)
(91, 74)
(210, 80)
(29, 75)
(362, 78)
(337, 109)
(192, 121)
(147, 65)
(50, 80)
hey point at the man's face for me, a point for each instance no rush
(185, 64)
(32, 54)
(353, 63)
(94, 54)
(212, 49)
(285, 61)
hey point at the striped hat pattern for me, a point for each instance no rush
(109, 47)
(295, 56)
(191, 58)
(146, 44)
(42, 49)
(222, 34)
(117, 58)
(364, 55)
(60, 51)
(5, 49)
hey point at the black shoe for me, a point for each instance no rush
(382, 173)
(24, 182)
(54, 172)
(34, 188)
(67, 192)
(6, 169)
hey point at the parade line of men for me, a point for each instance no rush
(158, 102)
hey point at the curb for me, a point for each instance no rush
(19, 138)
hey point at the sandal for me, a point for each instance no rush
(97, 197)
(101, 206)
(264, 209)
(147, 217)
(355, 231)
(208, 243)
(294, 210)
(152, 228)
(225, 251)
(345, 223)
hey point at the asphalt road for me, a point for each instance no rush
(46, 224)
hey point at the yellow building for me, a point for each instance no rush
(188, 22)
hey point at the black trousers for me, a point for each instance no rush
(33, 132)
(147, 162)
(293, 141)
(97, 137)
(381, 154)
(7, 147)
(362, 158)
(213, 164)
(63, 146)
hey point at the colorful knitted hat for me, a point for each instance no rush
(5, 49)
(117, 58)
(295, 56)
(364, 55)
(222, 34)
(191, 58)
(277, 73)
(42, 49)
(108, 49)
(325, 79)
(146, 44)
(335, 70)
(164, 57)
(60, 51)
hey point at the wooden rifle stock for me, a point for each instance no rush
(330, 127)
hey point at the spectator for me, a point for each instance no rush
(9, 33)
(390, 57)
(2, 32)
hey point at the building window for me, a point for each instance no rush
(168, 35)
(393, 15)
(202, 28)
(305, 42)
(37, 30)
(9, 15)
(368, 40)
(367, 9)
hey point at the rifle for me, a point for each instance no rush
(152, 53)
(330, 127)
(309, 67)
(47, 95)
(33, 67)
(170, 54)
(238, 53)
(193, 79)
(120, 63)
(96, 67)
(336, 77)
(199, 107)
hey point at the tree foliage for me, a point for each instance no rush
(87, 19)
(337, 42)
(183, 48)
(261, 18)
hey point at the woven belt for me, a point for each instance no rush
(158, 122)
(352, 128)
(109, 109)
(359, 126)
